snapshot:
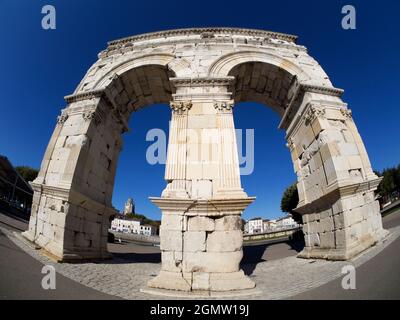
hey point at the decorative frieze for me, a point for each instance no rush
(203, 81)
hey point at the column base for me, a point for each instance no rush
(345, 253)
(201, 281)
(55, 251)
(201, 245)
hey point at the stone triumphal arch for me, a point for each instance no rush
(201, 74)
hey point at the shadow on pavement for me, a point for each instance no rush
(135, 258)
(254, 254)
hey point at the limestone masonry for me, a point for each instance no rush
(202, 73)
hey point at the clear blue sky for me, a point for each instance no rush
(38, 68)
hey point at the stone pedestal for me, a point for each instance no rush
(201, 245)
(343, 224)
(68, 225)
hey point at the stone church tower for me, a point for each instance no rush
(129, 206)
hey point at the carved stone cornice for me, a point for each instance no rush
(180, 107)
(84, 96)
(200, 207)
(330, 91)
(202, 32)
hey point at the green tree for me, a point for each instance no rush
(289, 202)
(143, 219)
(28, 173)
(390, 181)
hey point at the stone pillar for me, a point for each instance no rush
(336, 183)
(200, 234)
(72, 194)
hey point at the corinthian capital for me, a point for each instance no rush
(224, 106)
(92, 115)
(180, 107)
(313, 112)
(62, 118)
(347, 113)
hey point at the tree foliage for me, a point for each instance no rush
(390, 182)
(289, 202)
(28, 173)
(143, 219)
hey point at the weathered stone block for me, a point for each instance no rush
(172, 222)
(220, 241)
(212, 261)
(312, 240)
(228, 222)
(201, 281)
(170, 262)
(230, 281)
(194, 241)
(171, 240)
(200, 224)
(327, 239)
(170, 280)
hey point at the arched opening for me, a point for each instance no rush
(136, 88)
(258, 85)
(128, 93)
(263, 83)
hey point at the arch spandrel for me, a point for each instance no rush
(195, 70)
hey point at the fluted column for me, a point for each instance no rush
(229, 173)
(175, 168)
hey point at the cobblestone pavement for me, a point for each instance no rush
(277, 279)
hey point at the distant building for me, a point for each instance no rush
(133, 226)
(15, 193)
(286, 222)
(129, 207)
(125, 225)
(148, 230)
(269, 225)
(255, 225)
(259, 225)
(246, 227)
